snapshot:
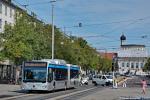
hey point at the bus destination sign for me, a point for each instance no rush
(35, 64)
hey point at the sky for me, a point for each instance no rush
(103, 21)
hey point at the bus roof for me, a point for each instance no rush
(53, 61)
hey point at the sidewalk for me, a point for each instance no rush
(6, 89)
(117, 94)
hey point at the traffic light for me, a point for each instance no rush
(80, 24)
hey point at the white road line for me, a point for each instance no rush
(15, 97)
(62, 96)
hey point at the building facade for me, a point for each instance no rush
(108, 55)
(7, 13)
(7, 16)
(132, 58)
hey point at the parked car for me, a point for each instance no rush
(102, 80)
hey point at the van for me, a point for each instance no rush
(102, 80)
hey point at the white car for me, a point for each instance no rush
(109, 79)
(85, 80)
(102, 80)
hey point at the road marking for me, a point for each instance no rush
(16, 96)
(62, 96)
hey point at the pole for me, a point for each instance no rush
(64, 30)
(113, 79)
(113, 67)
(53, 32)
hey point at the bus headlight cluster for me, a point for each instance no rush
(44, 86)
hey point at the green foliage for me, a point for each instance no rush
(104, 65)
(24, 41)
(30, 39)
(147, 65)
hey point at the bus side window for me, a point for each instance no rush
(100, 77)
(50, 75)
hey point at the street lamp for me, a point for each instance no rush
(53, 29)
(53, 37)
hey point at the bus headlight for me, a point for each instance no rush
(45, 86)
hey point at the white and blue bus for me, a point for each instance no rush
(48, 75)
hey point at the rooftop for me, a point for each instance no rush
(133, 45)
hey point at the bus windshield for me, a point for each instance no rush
(34, 75)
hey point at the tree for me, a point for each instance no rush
(147, 65)
(23, 41)
(30, 39)
(1, 43)
(104, 65)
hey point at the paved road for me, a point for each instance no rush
(117, 94)
(90, 92)
(136, 81)
(133, 91)
(13, 92)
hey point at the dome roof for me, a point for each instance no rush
(122, 37)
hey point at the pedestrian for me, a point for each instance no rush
(124, 82)
(144, 85)
(115, 84)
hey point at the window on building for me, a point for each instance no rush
(128, 64)
(0, 23)
(6, 10)
(142, 65)
(137, 65)
(10, 12)
(0, 7)
(6, 23)
(122, 64)
(132, 65)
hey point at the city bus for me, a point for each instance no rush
(48, 75)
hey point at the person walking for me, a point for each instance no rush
(124, 82)
(144, 85)
(115, 84)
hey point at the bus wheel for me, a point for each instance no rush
(95, 83)
(30, 91)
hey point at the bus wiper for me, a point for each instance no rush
(43, 81)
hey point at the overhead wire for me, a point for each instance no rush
(102, 35)
(25, 8)
(43, 2)
(95, 24)
(127, 25)
(86, 25)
